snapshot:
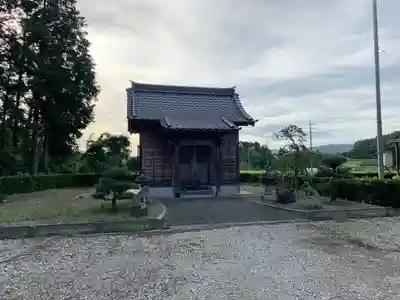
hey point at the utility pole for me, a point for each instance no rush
(379, 139)
(311, 145)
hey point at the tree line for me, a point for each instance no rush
(366, 148)
(47, 84)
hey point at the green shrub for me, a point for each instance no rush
(324, 172)
(17, 184)
(115, 182)
(246, 177)
(375, 191)
(26, 183)
(250, 177)
(371, 175)
(334, 161)
(341, 172)
(119, 173)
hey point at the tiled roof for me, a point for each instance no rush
(187, 107)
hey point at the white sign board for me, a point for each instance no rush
(388, 159)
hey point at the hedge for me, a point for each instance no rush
(256, 176)
(371, 175)
(381, 192)
(246, 177)
(26, 183)
(374, 191)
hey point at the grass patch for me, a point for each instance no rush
(65, 206)
(252, 171)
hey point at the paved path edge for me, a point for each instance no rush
(332, 214)
(215, 226)
(70, 229)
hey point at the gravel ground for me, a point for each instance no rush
(321, 260)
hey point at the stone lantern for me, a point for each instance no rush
(270, 182)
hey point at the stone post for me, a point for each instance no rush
(139, 205)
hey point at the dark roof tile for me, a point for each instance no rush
(192, 107)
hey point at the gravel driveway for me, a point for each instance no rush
(323, 260)
(220, 210)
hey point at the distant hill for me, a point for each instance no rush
(334, 148)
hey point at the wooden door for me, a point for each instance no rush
(202, 161)
(194, 166)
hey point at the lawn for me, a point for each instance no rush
(65, 206)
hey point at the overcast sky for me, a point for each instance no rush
(291, 60)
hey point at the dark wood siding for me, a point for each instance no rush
(229, 173)
(156, 158)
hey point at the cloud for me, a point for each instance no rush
(292, 61)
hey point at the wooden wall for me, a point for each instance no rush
(229, 155)
(156, 158)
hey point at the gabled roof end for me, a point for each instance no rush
(242, 110)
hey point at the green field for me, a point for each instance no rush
(362, 165)
(356, 165)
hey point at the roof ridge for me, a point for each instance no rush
(177, 85)
(163, 88)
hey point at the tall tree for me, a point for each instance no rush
(294, 147)
(47, 81)
(66, 66)
(12, 85)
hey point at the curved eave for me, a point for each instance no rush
(136, 125)
(130, 102)
(200, 130)
(246, 123)
(246, 116)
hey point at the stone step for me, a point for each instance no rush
(197, 193)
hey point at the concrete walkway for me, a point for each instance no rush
(220, 210)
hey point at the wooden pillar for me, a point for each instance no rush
(237, 162)
(140, 157)
(175, 168)
(218, 166)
